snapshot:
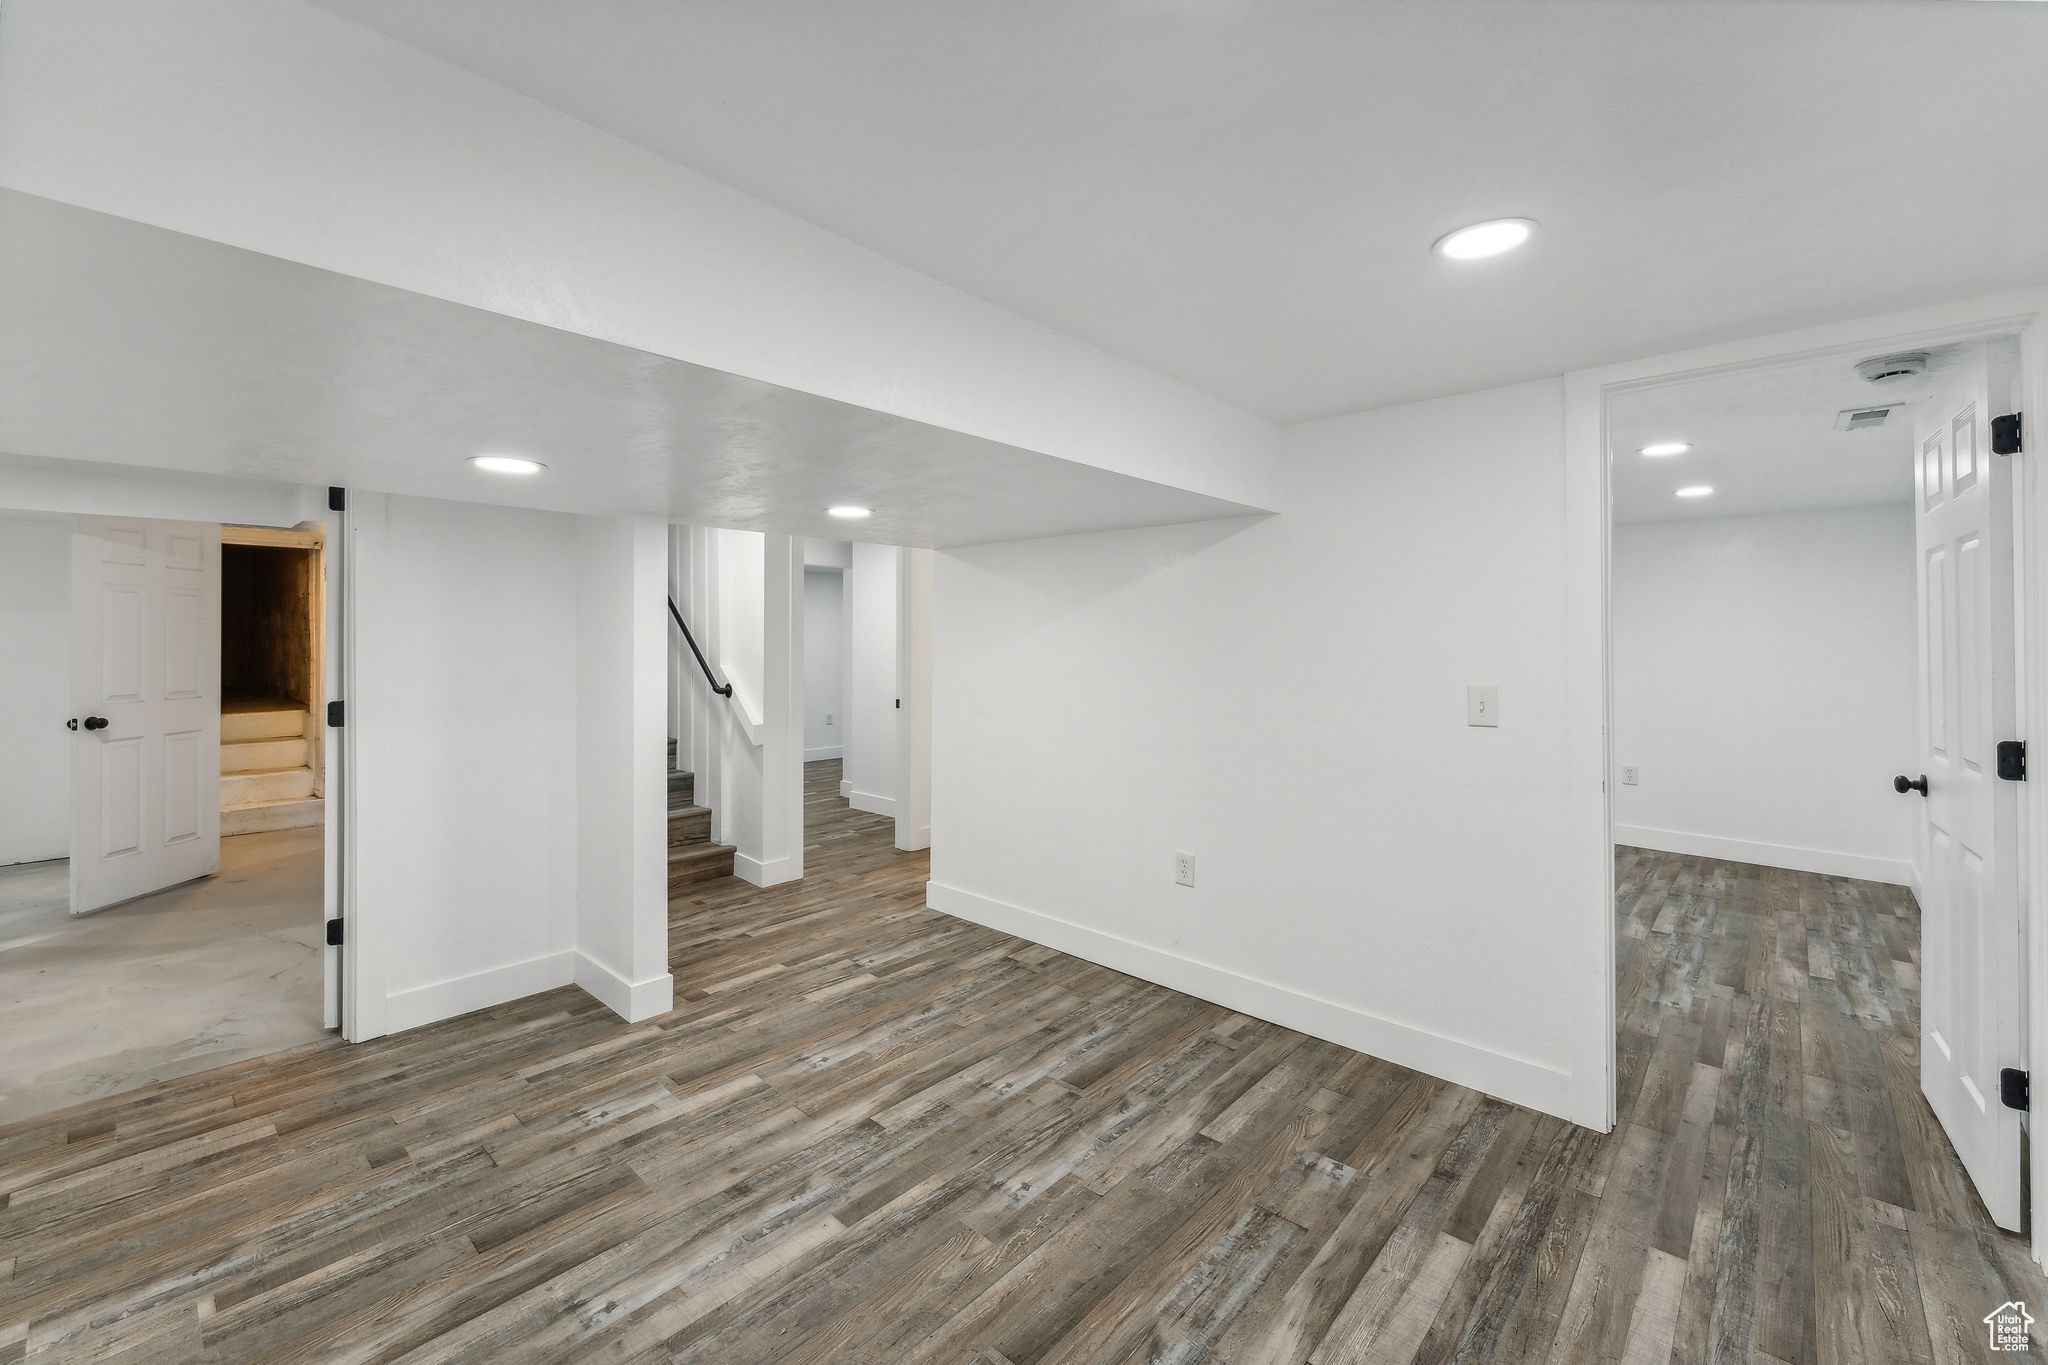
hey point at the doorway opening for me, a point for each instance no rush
(866, 677)
(272, 637)
(851, 695)
(827, 674)
(143, 934)
(1814, 653)
(799, 702)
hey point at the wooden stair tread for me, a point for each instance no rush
(237, 706)
(271, 801)
(244, 720)
(291, 812)
(693, 860)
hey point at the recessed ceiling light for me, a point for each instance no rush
(1696, 490)
(1490, 238)
(849, 513)
(506, 464)
(1657, 448)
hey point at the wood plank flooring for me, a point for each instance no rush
(870, 1133)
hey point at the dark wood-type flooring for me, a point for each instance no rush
(870, 1132)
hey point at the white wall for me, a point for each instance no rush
(827, 554)
(738, 654)
(824, 651)
(684, 678)
(373, 159)
(1765, 679)
(1285, 698)
(506, 690)
(870, 737)
(782, 715)
(108, 490)
(463, 776)
(622, 658)
(35, 687)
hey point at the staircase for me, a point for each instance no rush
(266, 767)
(692, 858)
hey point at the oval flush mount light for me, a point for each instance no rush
(1481, 240)
(506, 464)
(848, 512)
(1657, 449)
(1696, 490)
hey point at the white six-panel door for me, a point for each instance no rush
(145, 660)
(1967, 840)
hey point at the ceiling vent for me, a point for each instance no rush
(1863, 419)
(1885, 369)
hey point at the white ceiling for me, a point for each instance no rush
(1242, 193)
(1764, 439)
(133, 345)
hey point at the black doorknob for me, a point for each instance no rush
(1899, 783)
(97, 722)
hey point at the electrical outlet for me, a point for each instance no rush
(828, 717)
(1629, 776)
(1184, 868)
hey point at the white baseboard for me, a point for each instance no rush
(828, 751)
(766, 871)
(920, 838)
(630, 1000)
(1893, 872)
(871, 803)
(1517, 1080)
(845, 787)
(446, 999)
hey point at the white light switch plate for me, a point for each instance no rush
(1482, 704)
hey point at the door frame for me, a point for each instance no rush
(338, 1010)
(1588, 550)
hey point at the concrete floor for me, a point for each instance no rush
(190, 978)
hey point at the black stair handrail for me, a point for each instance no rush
(723, 690)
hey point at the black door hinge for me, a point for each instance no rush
(337, 714)
(337, 499)
(2012, 760)
(2013, 1088)
(2005, 434)
(334, 933)
(899, 703)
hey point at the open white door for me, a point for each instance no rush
(145, 670)
(914, 703)
(1968, 843)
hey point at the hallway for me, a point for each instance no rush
(872, 1133)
